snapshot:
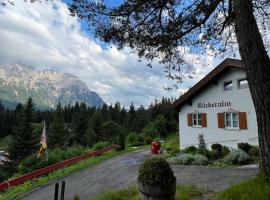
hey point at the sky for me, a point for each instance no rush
(46, 36)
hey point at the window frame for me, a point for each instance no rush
(196, 118)
(238, 83)
(231, 120)
(224, 88)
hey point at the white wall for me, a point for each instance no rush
(240, 102)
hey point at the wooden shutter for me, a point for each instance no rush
(221, 123)
(242, 120)
(204, 120)
(189, 119)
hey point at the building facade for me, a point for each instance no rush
(220, 107)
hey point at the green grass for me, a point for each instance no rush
(27, 186)
(183, 192)
(4, 142)
(254, 189)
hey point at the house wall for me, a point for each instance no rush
(240, 102)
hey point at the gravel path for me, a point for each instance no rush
(121, 171)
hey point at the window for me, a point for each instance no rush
(197, 120)
(231, 120)
(228, 85)
(242, 83)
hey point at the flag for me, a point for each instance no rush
(43, 143)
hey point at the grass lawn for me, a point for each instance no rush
(183, 192)
(254, 189)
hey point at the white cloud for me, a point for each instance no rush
(46, 36)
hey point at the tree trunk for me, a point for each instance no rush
(257, 66)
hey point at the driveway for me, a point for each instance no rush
(121, 171)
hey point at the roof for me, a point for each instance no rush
(228, 63)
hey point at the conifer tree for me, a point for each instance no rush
(30, 140)
(58, 132)
(82, 126)
(17, 144)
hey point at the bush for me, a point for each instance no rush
(186, 159)
(147, 140)
(217, 147)
(214, 155)
(236, 157)
(191, 149)
(200, 160)
(99, 145)
(136, 144)
(202, 145)
(244, 146)
(132, 138)
(31, 163)
(225, 151)
(254, 151)
(156, 171)
(183, 159)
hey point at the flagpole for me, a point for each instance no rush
(47, 155)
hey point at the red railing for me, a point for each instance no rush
(45, 170)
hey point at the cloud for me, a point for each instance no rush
(46, 36)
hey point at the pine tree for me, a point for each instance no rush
(96, 122)
(29, 138)
(17, 144)
(82, 126)
(121, 141)
(58, 132)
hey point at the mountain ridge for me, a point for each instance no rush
(46, 87)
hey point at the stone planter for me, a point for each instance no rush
(149, 192)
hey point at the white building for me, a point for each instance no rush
(220, 107)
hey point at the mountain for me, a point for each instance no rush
(47, 88)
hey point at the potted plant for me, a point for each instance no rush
(156, 180)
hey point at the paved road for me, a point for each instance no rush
(121, 171)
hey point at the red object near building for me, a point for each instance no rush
(155, 147)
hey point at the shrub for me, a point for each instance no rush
(217, 147)
(156, 171)
(219, 163)
(183, 159)
(31, 163)
(132, 138)
(202, 145)
(136, 144)
(236, 157)
(214, 155)
(191, 149)
(147, 140)
(186, 159)
(200, 160)
(254, 151)
(244, 146)
(76, 197)
(172, 144)
(99, 145)
(225, 151)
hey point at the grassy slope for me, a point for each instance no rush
(183, 192)
(254, 189)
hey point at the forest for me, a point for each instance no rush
(73, 130)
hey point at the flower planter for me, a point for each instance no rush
(150, 192)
